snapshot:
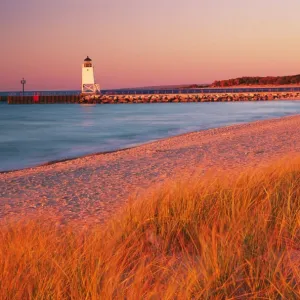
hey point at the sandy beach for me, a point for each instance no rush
(93, 188)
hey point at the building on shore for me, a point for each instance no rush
(89, 87)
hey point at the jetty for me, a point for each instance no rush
(157, 97)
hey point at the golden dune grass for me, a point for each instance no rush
(228, 238)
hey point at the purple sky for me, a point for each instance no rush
(142, 43)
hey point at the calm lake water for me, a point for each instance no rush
(34, 134)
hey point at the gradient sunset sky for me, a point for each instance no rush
(144, 43)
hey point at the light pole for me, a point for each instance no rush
(23, 82)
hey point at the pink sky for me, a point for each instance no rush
(143, 43)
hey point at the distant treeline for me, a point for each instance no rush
(269, 80)
(193, 86)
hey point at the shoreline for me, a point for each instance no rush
(96, 186)
(56, 161)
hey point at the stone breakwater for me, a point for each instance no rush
(155, 98)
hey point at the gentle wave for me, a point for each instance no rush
(34, 134)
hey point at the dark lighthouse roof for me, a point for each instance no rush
(87, 59)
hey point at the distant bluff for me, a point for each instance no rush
(268, 80)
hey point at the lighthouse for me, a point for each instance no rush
(88, 80)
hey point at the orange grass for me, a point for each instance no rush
(229, 238)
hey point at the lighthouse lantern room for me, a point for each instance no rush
(88, 80)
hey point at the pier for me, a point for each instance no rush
(37, 99)
(214, 95)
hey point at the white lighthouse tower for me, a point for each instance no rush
(88, 80)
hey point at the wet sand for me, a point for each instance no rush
(95, 187)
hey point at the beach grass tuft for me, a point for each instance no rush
(223, 237)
